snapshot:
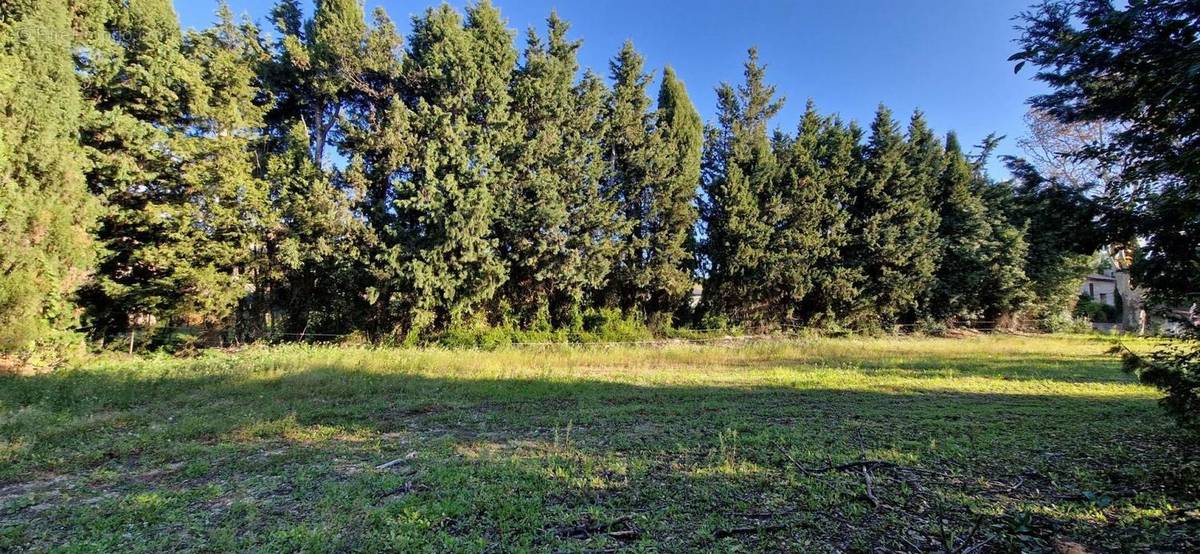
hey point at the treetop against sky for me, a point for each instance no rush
(947, 58)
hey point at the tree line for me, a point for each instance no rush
(334, 177)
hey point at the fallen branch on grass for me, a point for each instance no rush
(587, 530)
(736, 531)
(870, 490)
(397, 461)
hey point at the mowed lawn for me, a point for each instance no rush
(995, 443)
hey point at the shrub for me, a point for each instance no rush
(610, 325)
(1096, 311)
(1175, 370)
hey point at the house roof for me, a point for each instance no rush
(1099, 277)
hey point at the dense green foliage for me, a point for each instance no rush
(45, 209)
(1134, 67)
(339, 179)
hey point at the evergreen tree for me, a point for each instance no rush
(664, 277)
(796, 240)
(964, 233)
(631, 148)
(808, 280)
(1131, 66)
(441, 262)
(894, 228)
(45, 210)
(836, 280)
(226, 199)
(556, 223)
(325, 67)
(1008, 291)
(739, 195)
(334, 78)
(141, 89)
(1058, 220)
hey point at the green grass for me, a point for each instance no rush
(1009, 443)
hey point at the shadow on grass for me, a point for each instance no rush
(287, 461)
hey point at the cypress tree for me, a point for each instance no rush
(555, 222)
(836, 280)
(964, 233)
(326, 67)
(316, 247)
(141, 90)
(1058, 220)
(335, 79)
(894, 228)
(810, 281)
(664, 277)
(1008, 292)
(226, 199)
(630, 151)
(45, 209)
(442, 262)
(797, 239)
(738, 185)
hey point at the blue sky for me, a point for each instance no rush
(946, 57)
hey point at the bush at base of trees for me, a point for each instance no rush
(1175, 370)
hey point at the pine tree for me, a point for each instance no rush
(335, 78)
(555, 223)
(326, 67)
(738, 184)
(45, 209)
(894, 228)
(226, 199)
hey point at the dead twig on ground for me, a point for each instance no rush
(397, 461)
(870, 490)
(749, 530)
(588, 530)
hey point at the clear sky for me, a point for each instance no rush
(946, 57)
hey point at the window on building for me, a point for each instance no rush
(1092, 290)
(1104, 297)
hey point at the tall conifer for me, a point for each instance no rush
(964, 233)
(334, 78)
(442, 263)
(45, 210)
(142, 89)
(665, 267)
(630, 151)
(740, 197)
(894, 228)
(555, 222)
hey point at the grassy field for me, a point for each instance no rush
(995, 443)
